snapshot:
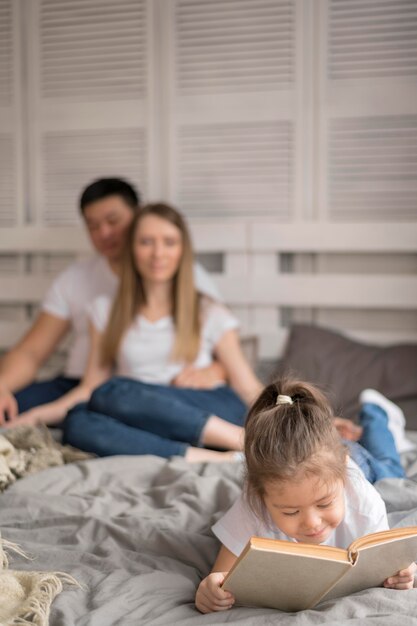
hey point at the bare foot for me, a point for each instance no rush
(218, 433)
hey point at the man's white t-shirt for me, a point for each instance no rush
(146, 347)
(78, 286)
(365, 513)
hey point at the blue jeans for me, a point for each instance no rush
(125, 416)
(43, 392)
(375, 453)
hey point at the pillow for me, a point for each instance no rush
(343, 368)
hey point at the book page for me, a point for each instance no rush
(374, 564)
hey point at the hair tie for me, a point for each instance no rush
(284, 399)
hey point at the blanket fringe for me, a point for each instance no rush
(12, 547)
(35, 612)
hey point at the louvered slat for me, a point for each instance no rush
(72, 159)
(373, 165)
(93, 50)
(7, 180)
(236, 169)
(372, 39)
(234, 45)
(6, 53)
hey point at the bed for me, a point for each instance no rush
(135, 532)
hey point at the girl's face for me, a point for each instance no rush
(157, 249)
(306, 509)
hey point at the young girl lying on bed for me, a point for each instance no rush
(301, 485)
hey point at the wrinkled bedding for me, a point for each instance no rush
(135, 532)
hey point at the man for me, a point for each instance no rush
(107, 206)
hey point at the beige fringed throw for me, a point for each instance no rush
(28, 449)
(26, 597)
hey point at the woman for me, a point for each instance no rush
(157, 324)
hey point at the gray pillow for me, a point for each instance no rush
(343, 368)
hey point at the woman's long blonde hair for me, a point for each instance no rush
(131, 295)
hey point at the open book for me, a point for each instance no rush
(295, 576)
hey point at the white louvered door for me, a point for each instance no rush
(11, 147)
(367, 144)
(90, 100)
(232, 107)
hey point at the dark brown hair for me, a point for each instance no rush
(285, 441)
(131, 294)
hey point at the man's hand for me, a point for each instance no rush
(200, 378)
(211, 597)
(8, 405)
(347, 429)
(404, 579)
(32, 417)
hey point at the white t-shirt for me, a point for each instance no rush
(365, 513)
(146, 347)
(78, 286)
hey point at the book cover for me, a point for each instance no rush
(294, 576)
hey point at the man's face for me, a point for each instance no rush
(108, 222)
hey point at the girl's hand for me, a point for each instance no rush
(404, 579)
(210, 597)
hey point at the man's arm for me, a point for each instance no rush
(53, 412)
(21, 364)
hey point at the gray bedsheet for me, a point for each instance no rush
(136, 532)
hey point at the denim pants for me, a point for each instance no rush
(44, 391)
(375, 453)
(125, 416)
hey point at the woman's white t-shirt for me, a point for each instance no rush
(365, 513)
(78, 286)
(146, 347)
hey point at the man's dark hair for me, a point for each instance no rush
(104, 187)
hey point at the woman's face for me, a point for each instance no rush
(157, 249)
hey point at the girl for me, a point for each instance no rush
(156, 325)
(300, 486)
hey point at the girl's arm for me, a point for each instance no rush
(210, 596)
(53, 412)
(240, 374)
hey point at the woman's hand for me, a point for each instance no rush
(404, 579)
(200, 378)
(211, 597)
(8, 405)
